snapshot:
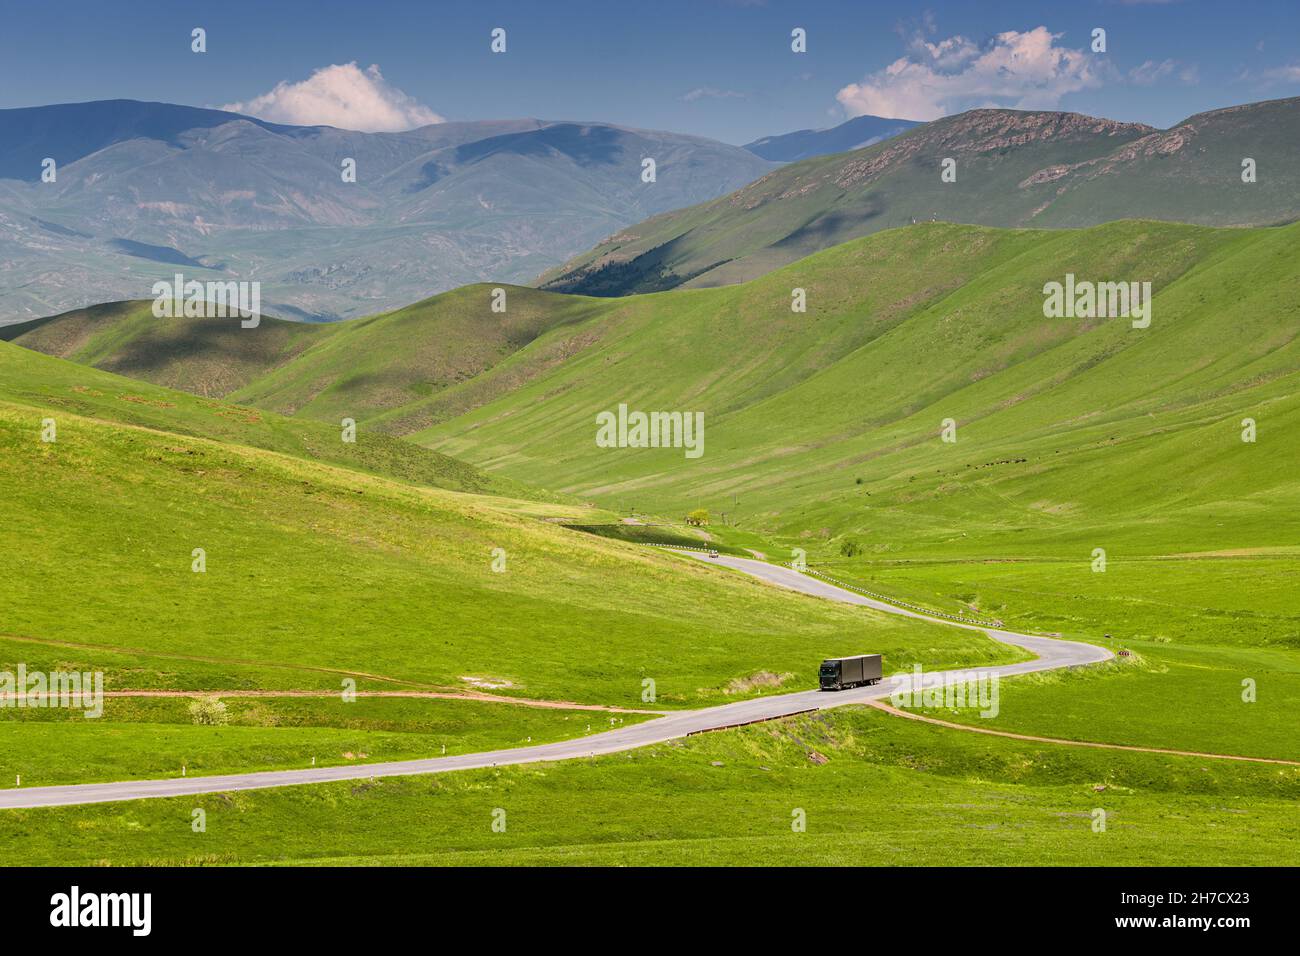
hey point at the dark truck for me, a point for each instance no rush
(839, 673)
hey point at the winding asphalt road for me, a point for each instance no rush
(1051, 654)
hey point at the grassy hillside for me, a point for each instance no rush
(1072, 434)
(150, 738)
(208, 357)
(824, 427)
(386, 370)
(58, 387)
(328, 562)
(829, 422)
(312, 566)
(317, 574)
(1190, 173)
(1014, 168)
(823, 433)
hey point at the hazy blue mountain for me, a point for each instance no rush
(143, 188)
(806, 143)
(70, 131)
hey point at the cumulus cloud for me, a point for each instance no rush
(341, 95)
(1023, 70)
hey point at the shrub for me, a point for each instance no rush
(209, 711)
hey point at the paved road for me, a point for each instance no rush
(1051, 654)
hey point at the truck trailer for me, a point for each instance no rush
(840, 673)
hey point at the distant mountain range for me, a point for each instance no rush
(1012, 168)
(146, 189)
(857, 133)
(143, 188)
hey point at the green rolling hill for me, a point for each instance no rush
(322, 566)
(1013, 168)
(387, 370)
(209, 357)
(822, 432)
(318, 565)
(823, 428)
(1063, 424)
(827, 422)
(62, 387)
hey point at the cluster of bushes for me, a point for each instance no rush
(209, 712)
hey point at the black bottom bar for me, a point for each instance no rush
(317, 905)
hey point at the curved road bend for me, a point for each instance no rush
(1051, 653)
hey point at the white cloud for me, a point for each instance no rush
(709, 92)
(340, 95)
(1022, 70)
(1263, 80)
(1150, 72)
(1283, 74)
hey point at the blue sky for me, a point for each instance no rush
(720, 68)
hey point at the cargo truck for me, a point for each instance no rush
(840, 673)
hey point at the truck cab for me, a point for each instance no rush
(829, 675)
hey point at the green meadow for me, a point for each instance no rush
(829, 422)
(333, 572)
(1205, 633)
(873, 790)
(319, 576)
(1180, 698)
(153, 738)
(1073, 440)
(34, 380)
(473, 539)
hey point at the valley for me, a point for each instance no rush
(427, 533)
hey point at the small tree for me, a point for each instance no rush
(850, 548)
(700, 516)
(209, 711)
